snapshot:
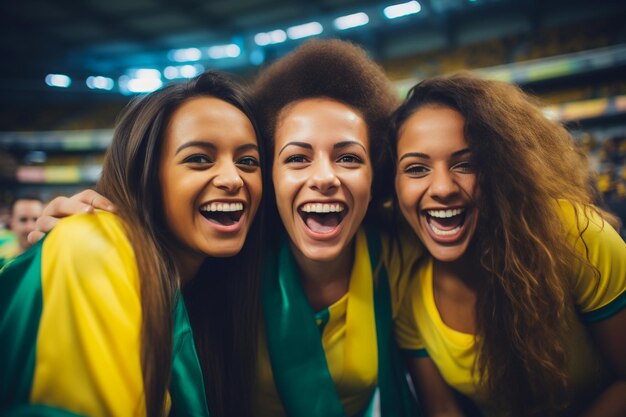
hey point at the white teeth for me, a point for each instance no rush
(443, 214)
(440, 232)
(322, 208)
(226, 207)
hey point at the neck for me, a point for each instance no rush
(325, 282)
(187, 265)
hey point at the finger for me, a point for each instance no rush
(62, 207)
(35, 236)
(94, 199)
(45, 223)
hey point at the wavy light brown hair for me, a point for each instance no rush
(332, 69)
(524, 163)
(222, 300)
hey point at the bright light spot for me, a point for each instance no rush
(100, 83)
(143, 85)
(351, 21)
(171, 72)
(302, 31)
(188, 71)
(185, 55)
(269, 38)
(142, 80)
(224, 51)
(58, 80)
(146, 73)
(402, 9)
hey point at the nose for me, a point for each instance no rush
(324, 178)
(228, 178)
(443, 184)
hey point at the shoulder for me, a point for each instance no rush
(583, 220)
(82, 247)
(89, 233)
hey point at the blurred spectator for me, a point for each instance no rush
(8, 241)
(24, 214)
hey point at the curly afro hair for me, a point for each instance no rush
(336, 70)
(333, 69)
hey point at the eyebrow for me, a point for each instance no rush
(455, 154)
(211, 146)
(338, 145)
(346, 143)
(300, 144)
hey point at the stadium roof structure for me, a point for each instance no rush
(101, 46)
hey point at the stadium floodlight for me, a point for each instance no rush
(351, 21)
(171, 72)
(140, 80)
(184, 55)
(402, 9)
(305, 30)
(144, 85)
(99, 83)
(270, 38)
(190, 71)
(58, 80)
(224, 51)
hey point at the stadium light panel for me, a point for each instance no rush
(351, 21)
(305, 30)
(144, 85)
(224, 51)
(100, 83)
(189, 71)
(270, 38)
(171, 72)
(402, 9)
(140, 80)
(185, 55)
(58, 80)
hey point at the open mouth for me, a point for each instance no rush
(445, 222)
(322, 217)
(225, 214)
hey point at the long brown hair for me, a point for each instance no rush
(524, 163)
(225, 339)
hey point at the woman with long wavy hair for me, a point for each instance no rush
(520, 305)
(97, 318)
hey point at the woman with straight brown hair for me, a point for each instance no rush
(97, 318)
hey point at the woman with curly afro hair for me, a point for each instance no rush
(327, 298)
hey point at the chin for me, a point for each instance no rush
(224, 250)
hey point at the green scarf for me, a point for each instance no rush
(297, 355)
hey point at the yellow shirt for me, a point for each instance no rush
(419, 327)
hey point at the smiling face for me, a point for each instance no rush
(435, 181)
(210, 176)
(322, 175)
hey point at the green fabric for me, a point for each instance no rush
(299, 366)
(321, 318)
(20, 312)
(294, 343)
(186, 383)
(418, 353)
(605, 312)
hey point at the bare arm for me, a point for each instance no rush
(610, 336)
(84, 202)
(433, 391)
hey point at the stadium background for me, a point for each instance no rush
(572, 54)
